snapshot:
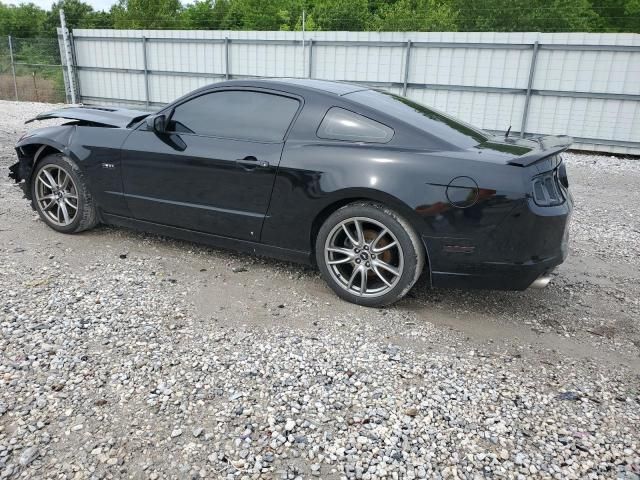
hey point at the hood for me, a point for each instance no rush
(103, 116)
(525, 152)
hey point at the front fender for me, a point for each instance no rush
(31, 147)
(95, 150)
(58, 137)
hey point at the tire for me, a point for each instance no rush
(383, 245)
(72, 195)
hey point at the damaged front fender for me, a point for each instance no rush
(33, 146)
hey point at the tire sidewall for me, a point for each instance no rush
(413, 257)
(69, 167)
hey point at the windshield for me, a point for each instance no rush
(425, 118)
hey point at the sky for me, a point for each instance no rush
(46, 4)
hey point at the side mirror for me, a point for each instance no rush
(157, 123)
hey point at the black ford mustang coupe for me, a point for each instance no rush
(371, 187)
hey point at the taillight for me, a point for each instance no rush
(546, 191)
(562, 175)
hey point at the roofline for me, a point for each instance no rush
(290, 82)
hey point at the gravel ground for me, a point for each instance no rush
(126, 355)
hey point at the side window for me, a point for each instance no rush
(341, 124)
(237, 114)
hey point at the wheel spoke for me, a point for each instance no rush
(354, 274)
(48, 197)
(50, 179)
(386, 266)
(41, 180)
(382, 233)
(349, 255)
(359, 232)
(65, 213)
(352, 239)
(385, 247)
(380, 276)
(363, 280)
(338, 262)
(68, 202)
(65, 182)
(49, 205)
(342, 250)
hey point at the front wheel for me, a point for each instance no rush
(369, 254)
(60, 195)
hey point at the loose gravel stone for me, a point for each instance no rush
(28, 456)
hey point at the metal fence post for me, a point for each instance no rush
(311, 58)
(67, 54)
(13, 67)
(407, 59)
(146, 71)
(74, 60)
(527, 100)
(226, 58)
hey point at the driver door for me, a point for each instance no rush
(213, 168)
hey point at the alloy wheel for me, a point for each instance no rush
(364, 257)
(57, 195)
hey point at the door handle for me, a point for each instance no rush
(250, 162)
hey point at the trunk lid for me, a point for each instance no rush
(525, 152)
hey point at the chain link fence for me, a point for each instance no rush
(31, 70)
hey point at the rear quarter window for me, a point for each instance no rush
(341, 124)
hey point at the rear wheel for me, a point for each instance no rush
(369, 254)
(60, 195)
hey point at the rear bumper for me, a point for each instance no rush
(496, 277)
(528, 244)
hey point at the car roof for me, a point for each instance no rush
(327, 86)
(338, 88)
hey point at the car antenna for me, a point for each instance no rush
(508, 130)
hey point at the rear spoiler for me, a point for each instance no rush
(549, 146)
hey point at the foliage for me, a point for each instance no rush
(206, 14)
(527, 15)
(147, 14)
(351, 15)
(28, 20)
(415, 16)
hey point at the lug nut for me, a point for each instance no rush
(357, 250)
(373, 255)
(368, 264)
(357, 260)
(366, 247)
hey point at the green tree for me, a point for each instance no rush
(261, 15)
(309, 22)
(526, 15)
(205, 15)
(77, 15)
(415, 15)
(147, 14)
(351, 15)
(618, 15)
(21, 21)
